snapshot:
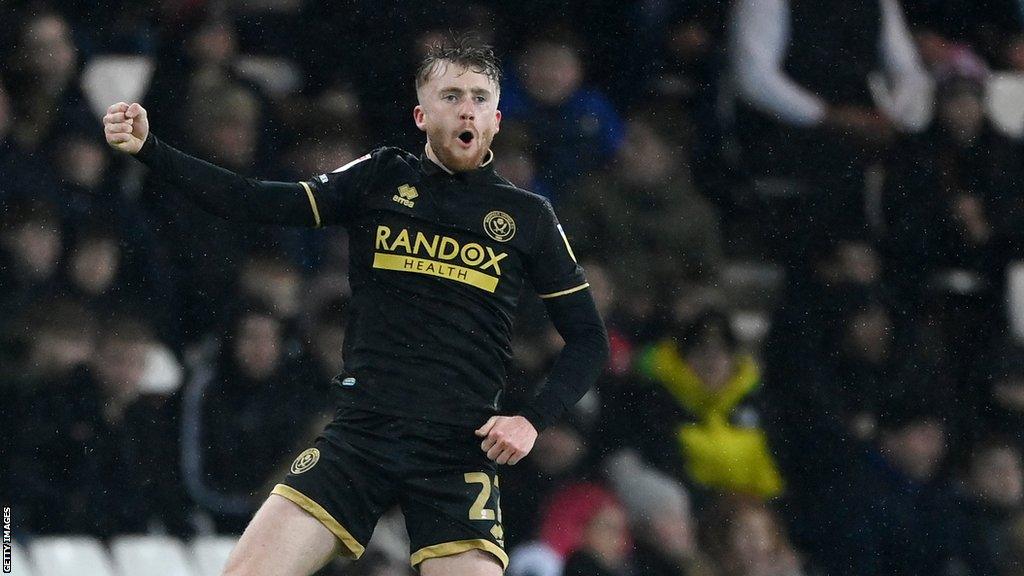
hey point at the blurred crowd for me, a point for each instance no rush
(799, 218)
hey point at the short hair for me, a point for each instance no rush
(466, 51)
(706, 326)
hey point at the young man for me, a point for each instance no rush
(440, 248)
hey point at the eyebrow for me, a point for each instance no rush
(475, 91)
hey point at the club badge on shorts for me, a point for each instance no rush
(305, 461)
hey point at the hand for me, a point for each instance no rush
(126, 127)
(861, 123)
(507, 439)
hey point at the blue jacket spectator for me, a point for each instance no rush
(575, 128)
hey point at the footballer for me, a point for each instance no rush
(441, 247)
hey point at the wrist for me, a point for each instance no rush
(146, 149)
(535, 418)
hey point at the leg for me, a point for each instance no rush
(469, 563)
(451, 501)
(282, 540)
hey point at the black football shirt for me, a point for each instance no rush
(438, 261)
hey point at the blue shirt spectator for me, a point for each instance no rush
(575, 128)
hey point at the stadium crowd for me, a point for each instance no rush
(799, 219)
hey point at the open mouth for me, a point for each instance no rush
(466, 137)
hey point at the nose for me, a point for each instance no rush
(466, 112)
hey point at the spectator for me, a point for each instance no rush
(852, 381)
(660, 518)
(559, 458)
(607, 298)
(994, 27)
(576, 130)
(110, 460)
(93, 270)
(41, 350)
(673, 232)
(587, 526)
(811, 119)
(832, 343)
(954, 196)
(41, 74)
(93, 201)
(673, 54)
(514, 158)
(81, 163)
(199, 56)
(698, 392)
(30, 255)
(870, 508)
(746, 539)
(112, 26)
(993, 497)
(246, 393)
(272, 281)
(537, 529)
(90, 192)
(954, 213)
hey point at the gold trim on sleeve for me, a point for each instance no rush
(354, 548)
(458, 547)
(312, 204)
(564, 292)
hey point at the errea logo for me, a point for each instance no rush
(406, 195)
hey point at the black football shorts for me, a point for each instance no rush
(364, 463)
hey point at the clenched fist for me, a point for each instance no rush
(126, 127)
(507, 439)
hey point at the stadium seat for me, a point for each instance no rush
(277, 76)
(19, 561)
(534, 558)
(1005, 102)
(150, 556)
(1015, 300)
(69, 556)
(210, 553)
(111, 78)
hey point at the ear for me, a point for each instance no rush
(419, 117)
(497, 121)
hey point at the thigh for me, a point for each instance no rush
(282, 540)
(469, 563)
(342, 483)
(451, 500)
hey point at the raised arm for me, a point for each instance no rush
(216, 190)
